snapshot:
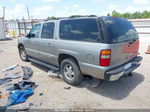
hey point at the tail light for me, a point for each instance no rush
(105, 57)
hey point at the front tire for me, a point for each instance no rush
(23, 54)
(71, 72)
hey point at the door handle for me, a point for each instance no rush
(49, 44)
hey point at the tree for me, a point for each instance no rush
(52, 17)
(108, 14)
(144, 14)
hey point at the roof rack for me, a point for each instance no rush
(73, 16)
(56, 18)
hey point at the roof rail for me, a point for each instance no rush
(56, 18)
(74, 16)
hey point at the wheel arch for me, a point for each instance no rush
(19, 45)
(63, 56)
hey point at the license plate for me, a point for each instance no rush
(127, 66)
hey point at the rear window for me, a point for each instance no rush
(120, 30)
(80, 30)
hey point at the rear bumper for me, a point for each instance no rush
(123, 70)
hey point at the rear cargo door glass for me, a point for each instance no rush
(120, 30)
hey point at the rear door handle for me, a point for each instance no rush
(49, 44)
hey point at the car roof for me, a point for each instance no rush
(67, 18)
(73, 18)
(78, 18)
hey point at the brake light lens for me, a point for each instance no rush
(105, 57)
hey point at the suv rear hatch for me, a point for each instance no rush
(124, 41)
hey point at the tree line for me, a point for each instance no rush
(127, 15)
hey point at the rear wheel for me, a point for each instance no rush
(23, 53)
(71, 72)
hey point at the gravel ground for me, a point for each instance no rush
(129, 93)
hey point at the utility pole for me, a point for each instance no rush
(4, 13)
(28, 12)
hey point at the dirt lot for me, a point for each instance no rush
(129, 93)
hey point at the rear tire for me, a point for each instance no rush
(71, 72)
(23, 54)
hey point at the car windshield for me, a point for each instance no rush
(120, 30)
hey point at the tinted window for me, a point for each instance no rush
(80, 29)
(48, 30)
(35, 31)
(120, 30)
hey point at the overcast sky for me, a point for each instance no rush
(62, 8)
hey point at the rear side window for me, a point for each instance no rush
(120, 30)
(48, 31)
(79, 30)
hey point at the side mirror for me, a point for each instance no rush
(30, 35)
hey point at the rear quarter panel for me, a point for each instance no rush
(86, 53)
